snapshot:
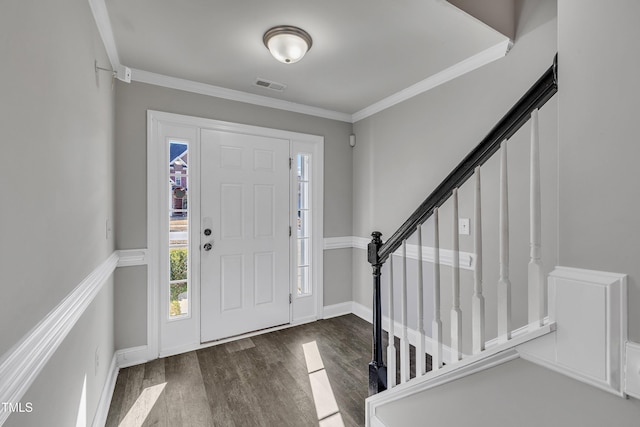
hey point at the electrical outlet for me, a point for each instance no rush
(463, 226)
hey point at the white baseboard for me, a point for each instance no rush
(132, 356)
(100, 417)
(336, 310)
(365, 313)
(138, 355)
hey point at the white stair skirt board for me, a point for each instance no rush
(494, 355)
(432, 379)
(590, 309)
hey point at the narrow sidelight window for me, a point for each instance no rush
(303, 235)
(179, 276)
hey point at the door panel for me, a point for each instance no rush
(245, 199)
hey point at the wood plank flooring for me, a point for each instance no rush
(257, 381)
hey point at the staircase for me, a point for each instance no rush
(397, 248)
(584, 335)
(432, 358)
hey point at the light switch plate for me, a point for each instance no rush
(463, 226)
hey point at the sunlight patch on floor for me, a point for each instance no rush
(326, 405)
(332, 421)
(143, 406)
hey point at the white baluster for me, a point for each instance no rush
(436, 327)
(504, 285)
(404, 341)
(536, 278)
(478, 299)
(421, 366)
(456, 314)
(391, 347)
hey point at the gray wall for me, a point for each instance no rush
(132, 102)
(517, 393)
(57, 152)
(598, 208)
(599, 151)
(412, 146)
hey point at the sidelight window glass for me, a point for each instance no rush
(179, 276)
(303, 217)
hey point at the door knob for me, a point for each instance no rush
(207, 232)
(207, 246)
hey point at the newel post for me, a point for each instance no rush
(377, 370)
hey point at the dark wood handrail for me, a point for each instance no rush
(378, 252)
(518, 115)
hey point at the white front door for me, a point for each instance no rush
(244, 236)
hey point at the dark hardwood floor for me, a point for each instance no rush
(257, 381)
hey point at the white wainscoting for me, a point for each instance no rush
(22, 364)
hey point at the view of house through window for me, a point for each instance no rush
(178, 229)
(303, 236)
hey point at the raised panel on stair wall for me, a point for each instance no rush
(590, 311)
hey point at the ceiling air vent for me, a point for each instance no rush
(268, 84)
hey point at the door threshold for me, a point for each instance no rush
(213, 343)
(194, 347)
(246, 335)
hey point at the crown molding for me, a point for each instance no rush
(235, 95)
(103, 22)
(465, 66)
(101, 16)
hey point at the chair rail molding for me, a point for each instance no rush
(467, 260)
(132, 257)
(22, 364)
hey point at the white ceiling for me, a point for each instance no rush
(366, 54)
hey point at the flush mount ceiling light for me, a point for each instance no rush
(286, 43)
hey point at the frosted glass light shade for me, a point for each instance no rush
(287, 44)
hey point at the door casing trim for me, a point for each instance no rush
(154, 317)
